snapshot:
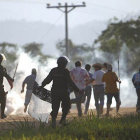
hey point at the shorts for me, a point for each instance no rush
(116, 96)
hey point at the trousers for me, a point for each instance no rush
(57, 98)
(80, 98)
(2, 101)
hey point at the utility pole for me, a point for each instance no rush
(67, 9)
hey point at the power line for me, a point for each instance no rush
(52, 26)
(108, 8)
(67, 9)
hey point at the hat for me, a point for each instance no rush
(62, 61)
(97, 65)
(2, 56)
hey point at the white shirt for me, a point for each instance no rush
(97, 76)
(79, 75)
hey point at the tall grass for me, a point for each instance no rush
(88, 128)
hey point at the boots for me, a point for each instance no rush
(117, 108)
(101, 109)
(3, 116)
(63, 121)
(53, 123)
(98, 112)
(108, 109)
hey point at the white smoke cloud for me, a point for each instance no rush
(15, 100)
(41, 109)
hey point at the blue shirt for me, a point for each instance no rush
(136, 80)
(30, 80)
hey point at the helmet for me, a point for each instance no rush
(2, 57)
(62, 61)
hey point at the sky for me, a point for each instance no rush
(35, 10)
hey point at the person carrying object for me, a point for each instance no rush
(60, 76)
(29, 81)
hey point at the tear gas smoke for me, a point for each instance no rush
(40, 109)
(15, 100)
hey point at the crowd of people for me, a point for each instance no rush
(78, 80)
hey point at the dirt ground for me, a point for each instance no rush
(6, 124)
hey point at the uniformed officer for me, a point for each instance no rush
(3, 74)
(61, 82)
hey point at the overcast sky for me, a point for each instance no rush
(35, 10)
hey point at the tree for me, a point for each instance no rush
(10, 51)
(76, 52)
(123, 36)
(35, 51)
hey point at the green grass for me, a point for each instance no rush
(88, 128)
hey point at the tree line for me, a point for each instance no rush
(119, 39)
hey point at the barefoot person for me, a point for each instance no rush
(29, 80)
(61, 81)
(3, 74)
(110, 78)
(79, 76)
(136, 83)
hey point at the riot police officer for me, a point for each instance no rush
(61, 82)
(3, 74)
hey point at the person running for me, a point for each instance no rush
(88, 89)
(3, 73)
(110, 78)
(29, 80)
(61, 82)
(98, 88)
(79, 76)
(136, 83)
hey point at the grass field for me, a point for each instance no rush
(125, 127)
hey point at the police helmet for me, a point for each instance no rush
(2, 57)
(62, 61)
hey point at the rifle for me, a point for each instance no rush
(15, 71)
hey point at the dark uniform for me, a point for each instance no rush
(3, 74)
(61, 79)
